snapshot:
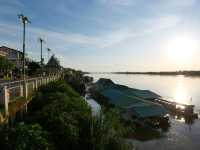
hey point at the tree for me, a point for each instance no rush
(5, 66)
(64, 114)
(24, 137)
(53, 65)
(33, 68)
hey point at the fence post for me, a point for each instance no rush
(33, 82)
(36, 84)
(21, 90)
(6, 99)
(25, 89)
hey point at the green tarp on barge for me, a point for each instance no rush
(138, 102)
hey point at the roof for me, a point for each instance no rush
(5, 47)
(143, 110)
(135, 100)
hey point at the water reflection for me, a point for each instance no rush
(180, 119)
(184, 119)
(180, 93)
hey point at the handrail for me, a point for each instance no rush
(20, 81)
(6, 89)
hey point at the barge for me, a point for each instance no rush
(176, 108)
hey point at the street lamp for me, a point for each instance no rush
(24, 20)
(41, 61)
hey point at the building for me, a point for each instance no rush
(13, 55)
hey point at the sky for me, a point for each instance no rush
(107, 35)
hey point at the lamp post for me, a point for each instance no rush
(24, 20)
(41, 61)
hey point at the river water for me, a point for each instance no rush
(182, 89)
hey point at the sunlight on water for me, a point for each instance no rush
(180, 119)
(180, 93)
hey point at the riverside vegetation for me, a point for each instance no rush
(59, 118)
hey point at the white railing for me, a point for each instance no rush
(10, 91)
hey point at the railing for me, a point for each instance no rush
(10, 91)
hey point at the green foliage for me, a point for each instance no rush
(77, 81)
(67, 120)
(108, 131)
(58, 86)
(64, 114)
(33, 68)
(24, 137)
(5, 65)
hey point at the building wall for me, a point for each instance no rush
(13, 55)
(2, 53)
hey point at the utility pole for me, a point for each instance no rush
(24, 20)
(41, 42)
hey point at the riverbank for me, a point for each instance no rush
(58, 117)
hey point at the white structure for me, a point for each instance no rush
(9, 91)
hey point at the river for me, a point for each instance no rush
(179, 88)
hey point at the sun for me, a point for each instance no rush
(181, 49)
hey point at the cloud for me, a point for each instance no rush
(173, 3)
(179, 2)
(147, 27)
(104, 40)
(117, 2)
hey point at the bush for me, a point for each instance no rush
(23, 137)
(64, 114)
(108, 132)
(66, 119)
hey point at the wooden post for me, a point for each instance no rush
(6, 99)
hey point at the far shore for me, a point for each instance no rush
(166, 73)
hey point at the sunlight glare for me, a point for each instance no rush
(181, 49)
(180, 93)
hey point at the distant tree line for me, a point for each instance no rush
(186, 73)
